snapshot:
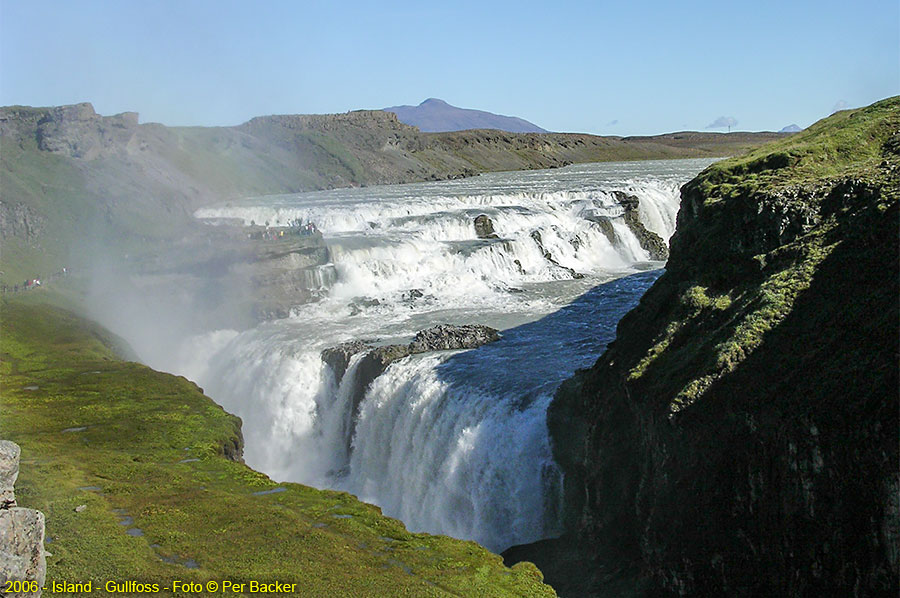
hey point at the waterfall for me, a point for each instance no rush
(450, 442)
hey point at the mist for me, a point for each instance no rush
(450, 442)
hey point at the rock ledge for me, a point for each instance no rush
(21, 530)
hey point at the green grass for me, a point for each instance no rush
(736, 298)
(848, 143)
(157, 448)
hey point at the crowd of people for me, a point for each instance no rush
(32, 283)
(304, 229)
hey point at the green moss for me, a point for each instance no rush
(797, 179)
(156, 448)
(691, 393)
(696, 303)
(697, 299)
(740, 328)
(655, 351)
(848, 143)
(776, 297)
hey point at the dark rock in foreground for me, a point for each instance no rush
(739, 437)
(373, 365)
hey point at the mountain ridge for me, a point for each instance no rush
(437, 116)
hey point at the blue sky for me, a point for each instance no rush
(623, 67)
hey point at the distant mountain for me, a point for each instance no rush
(791, 129)
(434, 116)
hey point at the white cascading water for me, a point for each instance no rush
(448, 442)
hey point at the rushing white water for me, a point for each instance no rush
(449, 442)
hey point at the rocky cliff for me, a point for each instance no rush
(23, 565)
(740, 435)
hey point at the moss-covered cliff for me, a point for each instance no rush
(740, 436)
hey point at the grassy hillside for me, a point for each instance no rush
(740, 435)
(157, 466)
